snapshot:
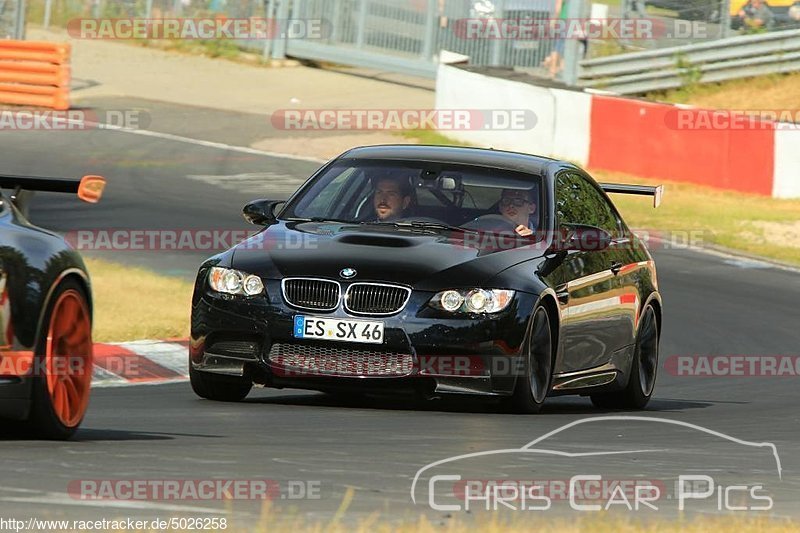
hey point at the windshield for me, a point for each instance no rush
(447, 197)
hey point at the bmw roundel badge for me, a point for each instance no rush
(348, 273)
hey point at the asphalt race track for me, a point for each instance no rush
(319, 444)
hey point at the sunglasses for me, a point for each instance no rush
(516, 202)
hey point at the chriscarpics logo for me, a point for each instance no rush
(630, 463)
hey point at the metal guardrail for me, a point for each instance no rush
(714, 61)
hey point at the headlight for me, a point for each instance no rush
(483, 9)
(472, 300)
(229, 281)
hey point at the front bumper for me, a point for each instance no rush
(423, 349)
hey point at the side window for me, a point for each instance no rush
(579, 202)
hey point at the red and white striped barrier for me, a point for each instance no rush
(643, 138)
(140, 363)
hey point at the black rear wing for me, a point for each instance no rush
(88, 188)
(657, 192)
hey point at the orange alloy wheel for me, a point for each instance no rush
(69, 358)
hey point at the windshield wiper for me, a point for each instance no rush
(424, 226)
(319, 219)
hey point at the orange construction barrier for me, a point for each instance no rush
(35, 73)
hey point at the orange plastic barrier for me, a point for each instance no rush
(35, 73)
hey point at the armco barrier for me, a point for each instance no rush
(35, 73)
(635, 136)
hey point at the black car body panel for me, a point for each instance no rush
(595, 297)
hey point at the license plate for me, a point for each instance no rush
(336, 329)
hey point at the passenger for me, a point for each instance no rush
(519, 207)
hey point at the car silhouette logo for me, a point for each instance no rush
(348, 273)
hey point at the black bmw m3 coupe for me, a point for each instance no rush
(440, 270)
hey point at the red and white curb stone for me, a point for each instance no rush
(140, 363)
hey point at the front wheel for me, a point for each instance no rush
(532, 387)
(644, 369)
(219, 388)
(63, 365)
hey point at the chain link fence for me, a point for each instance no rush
(681, 22)
(411, 36)
(418, 30)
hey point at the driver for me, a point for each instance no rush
(518, 207)
(391, 198)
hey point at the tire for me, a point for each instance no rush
(219, 388)
(531, 389)
(63, 364)
(644, 368)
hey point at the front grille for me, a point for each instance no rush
(316, 360)
(376, 298)
(311, 293)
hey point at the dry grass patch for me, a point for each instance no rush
(774, 92)
(497, 523)
(133, 303)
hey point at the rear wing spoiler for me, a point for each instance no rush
(656, 192)
(88, 188)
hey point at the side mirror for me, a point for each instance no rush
(261, 212)
(586, 238)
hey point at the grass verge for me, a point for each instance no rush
(134, 303)
(274, 521)
(773, 92)
(755, 225)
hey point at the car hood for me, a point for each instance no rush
(423, 259)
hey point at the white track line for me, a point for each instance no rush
(198, 142)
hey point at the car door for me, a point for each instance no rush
(594, 326)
